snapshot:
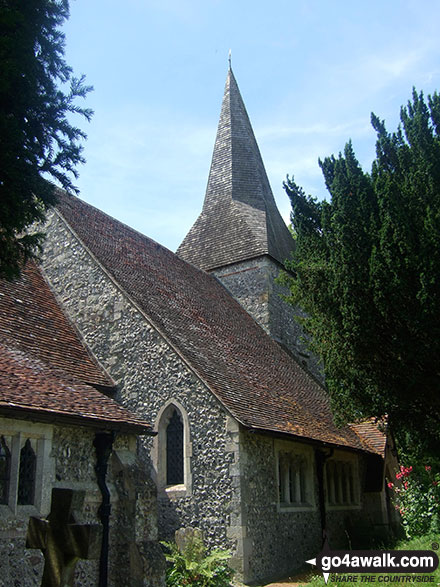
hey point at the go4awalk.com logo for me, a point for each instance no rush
(407, 566)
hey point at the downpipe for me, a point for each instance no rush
(103, 444)
(320, 458)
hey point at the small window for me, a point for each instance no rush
(5, 471)
(294, 477)
(26, 478)
(341, 483)
(25, 452)
(174, 450)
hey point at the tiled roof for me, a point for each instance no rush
(372, 434)
(29, 388)
(240, 219)
(253, 377)
(32, 320)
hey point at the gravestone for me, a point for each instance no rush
(62, 541)
(190, 542)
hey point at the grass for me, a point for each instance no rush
(422, 543)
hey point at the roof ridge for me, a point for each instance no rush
(63, 195)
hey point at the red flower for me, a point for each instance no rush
(404, 472)
(427, 468)
(390, 485)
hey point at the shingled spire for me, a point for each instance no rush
(239, 219)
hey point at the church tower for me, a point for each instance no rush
(240, 236)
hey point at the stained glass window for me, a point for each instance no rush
(175, 450)
(26, 479)
(5, 469)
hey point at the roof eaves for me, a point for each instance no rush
(57, 417)
(307, 440)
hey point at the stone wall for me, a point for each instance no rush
(279, 541)
(149, 374)
(70, 464)
(231, 486)
(252, 284)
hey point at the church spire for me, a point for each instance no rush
(239, 219)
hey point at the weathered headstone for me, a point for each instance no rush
(62, 541)
(190, 540)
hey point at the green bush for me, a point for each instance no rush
(192, 566)
(417, 498)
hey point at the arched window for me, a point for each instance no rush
(26, 478)
(5, 471)
(174, 450)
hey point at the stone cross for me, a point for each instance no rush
(62, 541)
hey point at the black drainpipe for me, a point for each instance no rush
(103, 444)
(320, 458)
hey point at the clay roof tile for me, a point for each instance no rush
(253, 377)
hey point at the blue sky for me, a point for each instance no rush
(310, 73)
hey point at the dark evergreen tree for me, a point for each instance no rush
(367, 272)
(37, 142)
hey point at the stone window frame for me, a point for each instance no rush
(27, 474)
(297, 480)
(342, 492)
(159, 452)
(16, 433)
(5, 456)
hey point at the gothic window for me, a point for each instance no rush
(294, 478)
(341, 482)
(5, 471)
(26, 478)
(174, 450)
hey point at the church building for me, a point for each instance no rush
(201, 345)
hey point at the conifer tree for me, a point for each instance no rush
(37, 141)
(367, 272)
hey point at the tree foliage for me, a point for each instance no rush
(37, 95)
(367, 272)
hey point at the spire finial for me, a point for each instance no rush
(230, 59)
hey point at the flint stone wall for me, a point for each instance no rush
(252, 284)
(149, 374)
(233, 498)
(70, 464)
(278, 542)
